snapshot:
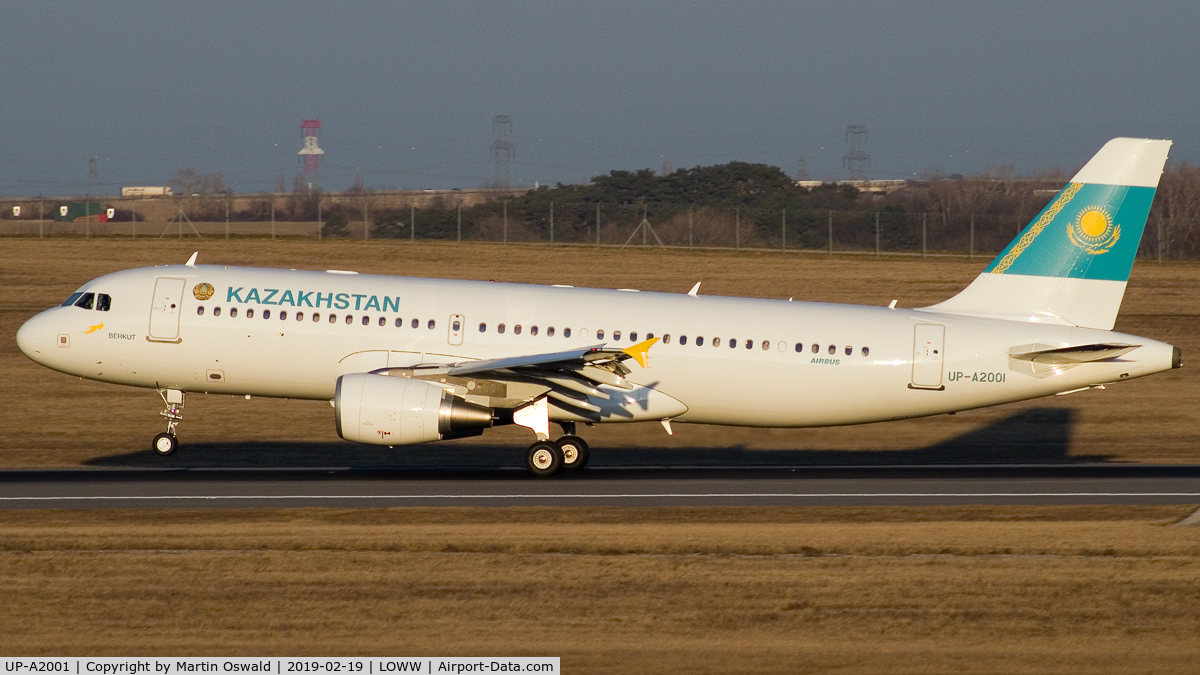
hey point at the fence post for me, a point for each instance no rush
(737, 229)
(597, 223)
(691, 208)
(412, 221)
(971, 251)
(551, 223)
(783, 230)
(876, 233)
(506, 221)
(272, 216)
(830, 231)
(924, 234)
(460, 222)
(227, 216)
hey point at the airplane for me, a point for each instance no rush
(412, 360)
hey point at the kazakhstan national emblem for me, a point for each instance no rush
(1094, 231)
(203, 291)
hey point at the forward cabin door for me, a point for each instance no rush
(928, 356)
(164, 311)
(458, 325)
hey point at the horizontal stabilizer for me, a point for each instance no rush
(1070, 355)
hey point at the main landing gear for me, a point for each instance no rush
(165, 444)
(568, 453)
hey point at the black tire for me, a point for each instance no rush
(165, 444)
(575, 452)
(543, 459)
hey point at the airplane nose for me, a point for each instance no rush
(31, 338)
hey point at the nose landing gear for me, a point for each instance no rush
(165, 444)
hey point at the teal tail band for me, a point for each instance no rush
(1088, 231)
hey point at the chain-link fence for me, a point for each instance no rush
(374, 216)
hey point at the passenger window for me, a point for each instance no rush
(416, 323)
(86, 301)
(699, 342)
(633, 337)
(399, 322)
(233, 312)
(517, 329)
(866, 351)
(299, 316)
(616, 336)
(483, 328)
(816, 348)
(103, 302)
(849, 351)
(600, 334)
(333, 318)
(216, 311)
(566, 332)
(266, 313)
(200, 310)
(457, 326)
(832, 349)
(799, 347)
(550, 331)
(766, 345)
(667, 339)
(366, 320)
(282, 316)
(732, 343)
(432, 323)
(749, 344)
(533, 330)
(349, 319)
(716, 342)
(250, 313)
(649, 336)
(683, 339)
(500, 328)
(71, 300)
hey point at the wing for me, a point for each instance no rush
(566, 377)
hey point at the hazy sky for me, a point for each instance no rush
(406, 90)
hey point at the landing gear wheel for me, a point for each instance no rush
(575, 452)
(165, 444)
(543, 459)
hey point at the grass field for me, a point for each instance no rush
(718, 590)
(70, 422)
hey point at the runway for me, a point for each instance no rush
(648, 486)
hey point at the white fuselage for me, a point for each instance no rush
(870, 363)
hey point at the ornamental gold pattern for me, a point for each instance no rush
(1027, 239)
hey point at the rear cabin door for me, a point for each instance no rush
(458, 325)
(164, 311)
(928, 356)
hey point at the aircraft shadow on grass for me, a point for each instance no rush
(1035, 436)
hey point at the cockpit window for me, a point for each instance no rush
(71, 300)
(86, 300)
(103, 302)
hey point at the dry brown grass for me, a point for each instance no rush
(69, 422)
(932, 590)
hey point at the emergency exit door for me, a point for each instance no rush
(458, 324)
(164, 311)
(928, 356)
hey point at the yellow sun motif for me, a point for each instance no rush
(203, 291)
(1093, 231)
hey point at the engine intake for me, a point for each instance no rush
(383, 410)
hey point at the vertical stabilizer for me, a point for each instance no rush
(1070, 265)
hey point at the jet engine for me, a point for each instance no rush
(383, 410)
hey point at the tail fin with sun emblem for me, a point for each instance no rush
(1070, 265)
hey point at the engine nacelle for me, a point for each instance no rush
(383, 410)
